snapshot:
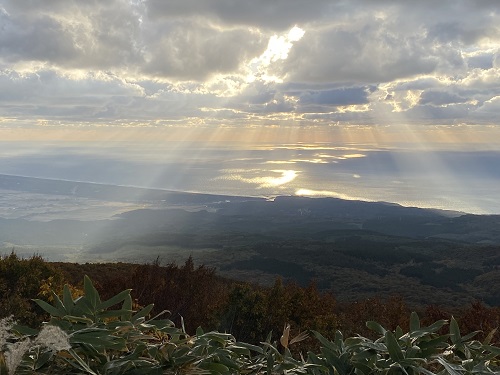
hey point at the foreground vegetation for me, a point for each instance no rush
(202, 298)
(85, 336)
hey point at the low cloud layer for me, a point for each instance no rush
(241, 63)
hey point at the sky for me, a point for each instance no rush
(276, 71)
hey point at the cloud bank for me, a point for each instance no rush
(249, 63)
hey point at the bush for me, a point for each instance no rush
(86, 336)
(22, 279)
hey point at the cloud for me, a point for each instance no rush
(245, 62)
(75, 35)
(336, 97)
(489, 110)
(277, 15)
(438, 98)
(194, 51)
(362, 54)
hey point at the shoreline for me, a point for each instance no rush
(166, 197)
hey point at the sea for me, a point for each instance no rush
(432, 177)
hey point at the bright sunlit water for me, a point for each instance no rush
(466, 181)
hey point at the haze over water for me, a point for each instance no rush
(393, 101)
(467, 181)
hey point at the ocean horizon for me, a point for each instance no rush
(458, 180)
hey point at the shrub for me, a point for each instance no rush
(22, 279)
(86, 336)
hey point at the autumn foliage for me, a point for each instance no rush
(197, 297)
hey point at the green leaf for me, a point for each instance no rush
(183, 327)
(378, 346)
(113, 313)
(399, 332)
(414, 321)
(488, 338)
(68, 299)
(425, 371)
(270, 364)
(49, 308)
(98, 340)
(91, 293)
(217, 368)
(341, 364)
(25, 331)
(450, 367)
(393, 347)
(230, 363)
(364, 354)
(239, 350)
(493, 349)
(470, 335)
(432, 346)
(143, 313)
(78, 319)
(374, 326)
(454, 332)
(42, 359)
(325, 342)
(114, 300)
(83, 307)
(58, 303)
(436, 326)
(127, 306)
(339, 340)
(81, 363)
(251, 347)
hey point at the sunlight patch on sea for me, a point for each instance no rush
(258, 177)
(327, 193)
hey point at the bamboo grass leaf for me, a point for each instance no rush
(58, 303)
(425, 371)
(393, 347)
(300, 337)
(451, 368)
(414, 321)
(339, 363)
(399, 332)
(68, 299)
(78, 319)
(436, 326)
(53, 311)
(114, 300)
(470, 335)
(325, 342)
(82, 365)
(24, 331)
(127, 308)
(142, 313)
(489, 337)
(251, 347)
(91, 293)
(454, 332)
(374, 326)
(113, 313)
